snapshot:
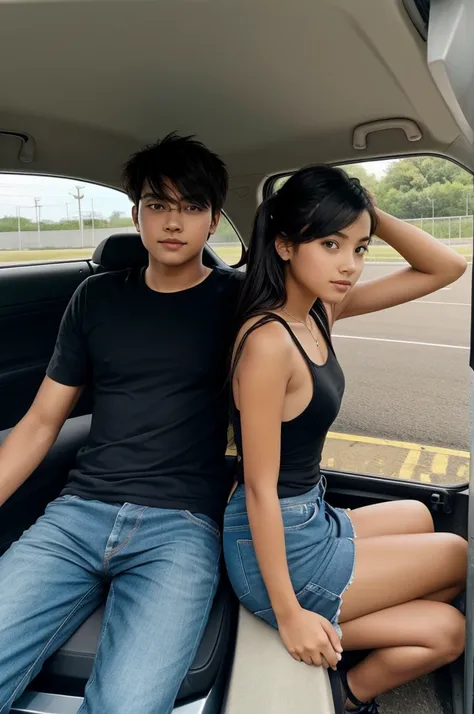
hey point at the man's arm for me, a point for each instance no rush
(67, 373)
(28, 443)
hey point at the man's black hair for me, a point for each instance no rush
(198, 174)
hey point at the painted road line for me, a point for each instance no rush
(425, 478)
(407, 461)
(399, 444)
(439, 464)
(401, 342)
(436, 465)
(410, 463)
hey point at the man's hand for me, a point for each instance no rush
(28, 443)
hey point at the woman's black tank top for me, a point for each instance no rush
(302, 438)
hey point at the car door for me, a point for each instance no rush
(403, 430)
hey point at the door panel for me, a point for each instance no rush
(449, 507)
(32, 301)
(25, 506)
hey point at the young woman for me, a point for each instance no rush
(289, 554)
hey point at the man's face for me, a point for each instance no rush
(173, 231)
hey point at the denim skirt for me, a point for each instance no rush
(320, 552)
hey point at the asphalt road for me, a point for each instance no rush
(402, 391)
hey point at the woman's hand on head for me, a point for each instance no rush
(310, 638)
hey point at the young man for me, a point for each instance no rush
(142, 507)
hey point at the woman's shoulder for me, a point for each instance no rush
(264, 335)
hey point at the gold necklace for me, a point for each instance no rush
(302, 322)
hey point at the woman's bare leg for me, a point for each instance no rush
(391, 518)
(446, 595)
(397, 518)
(382, 608)
(391, 570)
(408, 640)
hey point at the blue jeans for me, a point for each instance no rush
(163, 569)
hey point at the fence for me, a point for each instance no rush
(454, 230)
(23, 228)
(40, 240)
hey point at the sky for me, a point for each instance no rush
(18, 192)
(55, 198)
(378, 167)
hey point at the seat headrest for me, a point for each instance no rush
(121, 251)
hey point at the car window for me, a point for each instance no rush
(48, 219)
(406, 409)
(51, 219)
(226, 242)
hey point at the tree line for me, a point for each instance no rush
(420, 187)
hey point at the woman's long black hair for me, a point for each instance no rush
(316, 202)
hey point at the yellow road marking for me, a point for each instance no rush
(439, 464)
(408, 466)
(400, 444)
(462, 472)
(426, 478)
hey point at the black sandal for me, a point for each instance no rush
(370, 707)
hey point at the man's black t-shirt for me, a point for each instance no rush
(157, 363)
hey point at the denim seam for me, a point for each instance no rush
(231, 529)
(51, 639)
(127, 540)
(205, 526)
(244, 574)
(102, 635)
(317, 589)
(284, 509)
(312, 588)
(289, 529)
(295, 506)
(208, 609)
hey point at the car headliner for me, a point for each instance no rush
(269, 84)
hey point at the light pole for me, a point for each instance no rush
(38, 213)
(79, 196)
(93, 223)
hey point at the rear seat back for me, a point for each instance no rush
(126, 250)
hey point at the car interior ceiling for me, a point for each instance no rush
(258, 135)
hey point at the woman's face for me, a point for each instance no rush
(328, 268)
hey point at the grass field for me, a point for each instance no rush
(229, 253)
(22, 256)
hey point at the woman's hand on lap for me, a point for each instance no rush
(310, 638)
